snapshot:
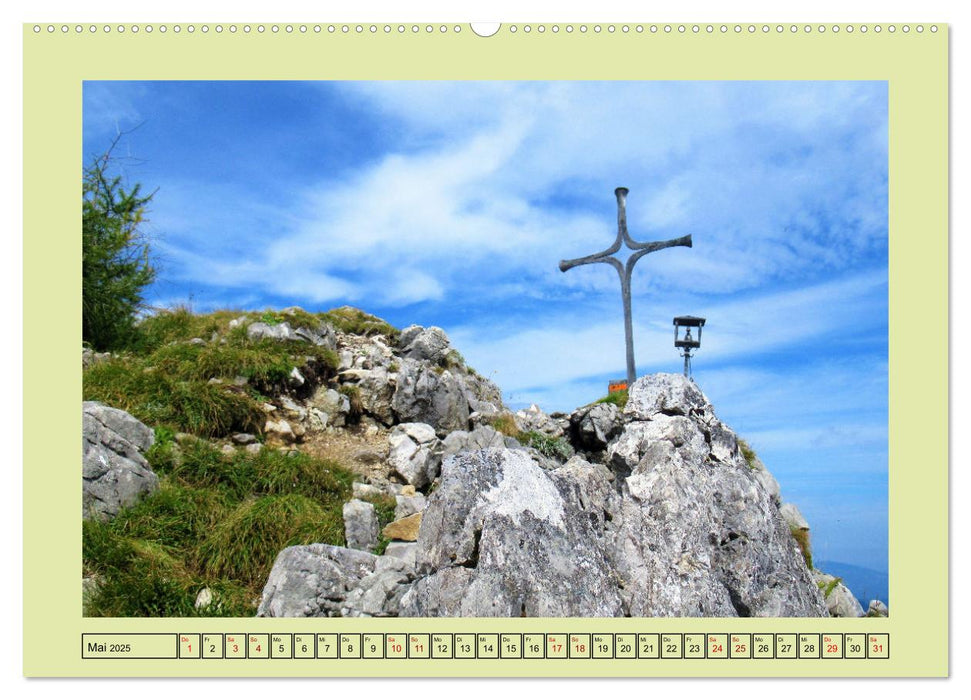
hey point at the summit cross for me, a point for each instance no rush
(606, 256)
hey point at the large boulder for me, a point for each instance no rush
(376, 388)
(429, 345)
(414, 454)
(501, 537)
(432, 395)
(313, 580)
(114, 472)
(697, 533)
(670, 394)
(593, 427)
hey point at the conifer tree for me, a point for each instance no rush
(115, 265)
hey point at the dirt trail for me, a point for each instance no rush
(354, 448)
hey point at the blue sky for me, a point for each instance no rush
(451, 204)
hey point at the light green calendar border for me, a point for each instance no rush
(916, 68)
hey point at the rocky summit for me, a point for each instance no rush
(461, 507)
(665, 518)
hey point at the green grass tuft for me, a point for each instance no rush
(351, 320)
(243, 546)
(505, 423)
(617, 398)
(749, 454)
(555, 448)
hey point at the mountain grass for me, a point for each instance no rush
(751, 459)
(802, 540)
(217, 522)
(617, 398)
(166, 380)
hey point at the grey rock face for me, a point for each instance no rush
(840, 601)
(697, 533)
(424, 344)
(484, 397)
(379, 595)
(264, 331)
(676, 524)
(482, 437)
(533, 419)
(313, 580)
(333, 405)
(503, 538)
(322, 336)
(114, 474)
(409, 505)
(376, 387)
(672, 394)
(413, 453)
(426, 394)
(360, 525)
(595, 426)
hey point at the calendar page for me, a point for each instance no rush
(360, 396)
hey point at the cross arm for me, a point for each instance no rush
(658, 245)
(596, 257)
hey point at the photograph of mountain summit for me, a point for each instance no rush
(485, 349)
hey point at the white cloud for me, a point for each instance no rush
(772, 180)
(588, 340)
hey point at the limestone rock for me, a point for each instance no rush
(533, 419)
(404, 529)
(406, 551)
(313, 580)
(359, 490)
(429, 345)
(380, 593)
(406, 505)
(671, 394)
(696, 535)
(376, 388)
(114, 474)
(426, 394)
(204, 599)
(360, 525)
(321, 336)
(839, 600)
(500, 539)
(331, 406)
(414, 453)
(264, 331)
(593, 427)
(279, 431)
(244, 438)
(877, 608)
(482, 437)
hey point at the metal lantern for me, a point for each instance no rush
(685, 341)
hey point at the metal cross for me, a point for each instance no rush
(641, 249)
